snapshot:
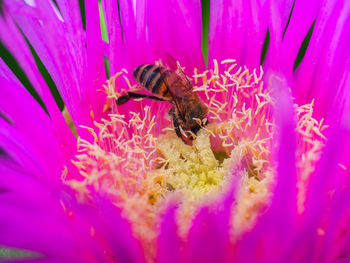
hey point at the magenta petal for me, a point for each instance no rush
(54, 54)
(285, 8)
(36, 260)
(29, 133)
(48, 220)
(323, 65)
(15, 179)
(70, 11)
(17, 149)
(78, 72)
(134, 38)
(345, 248)
(209, 236)
(257, 29)
(284, 198)
(325, 178)
(169, 244)
(28, 209)
(127, 47)
(270, 239)
(300, 22)
(19, 49)
(121, 245)
(337, 229)
(322, 181)
(274, 52)
(342, 102)
(155, 33)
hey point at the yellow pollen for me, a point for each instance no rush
(193, 170)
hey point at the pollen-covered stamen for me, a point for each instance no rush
(311, 142)
(140, 163)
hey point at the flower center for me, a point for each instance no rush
(195, 170)
(137, 159)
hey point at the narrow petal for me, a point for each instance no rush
(54, 54)
(209, 235)
(86, 233)
(336, 231)
(169, 245)
(326, 178)
(15, 147)
(34, 134)
(284, 198)
(275, 26)
(274, 230)
(115, 231)
(127, 47)
(136, 54)
(28, 208)
(137, 45)
(78, 72)
(20, 50)
(257, 29)
(300, 22)
(323, 64)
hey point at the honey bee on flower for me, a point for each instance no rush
(188, 113)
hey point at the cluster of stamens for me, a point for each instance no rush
(137, 160)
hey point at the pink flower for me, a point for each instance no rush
(265, 181)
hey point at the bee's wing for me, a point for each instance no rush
(170, 61)
(170, 80)
(182, 74)
(173, 65)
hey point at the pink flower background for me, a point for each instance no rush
(35, 145)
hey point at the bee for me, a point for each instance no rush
(188, 109)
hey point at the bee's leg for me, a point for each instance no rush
(195, 131)
(123, 99)
(132, 95)
(176, 124)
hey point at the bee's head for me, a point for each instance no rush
(194, 116)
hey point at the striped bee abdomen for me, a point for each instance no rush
(152, 77)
